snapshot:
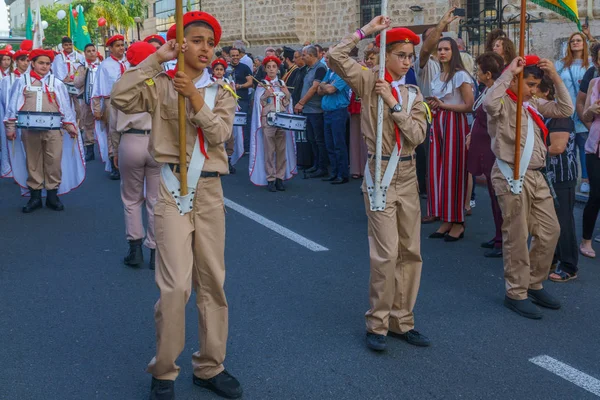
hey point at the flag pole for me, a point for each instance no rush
(516, 175)
(181, 104)
(377, 202)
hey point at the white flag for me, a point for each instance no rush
(38, 30)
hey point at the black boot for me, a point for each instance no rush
(162, 390)
(35, 201)
(279, 185)
(135, 256)
(89, 153)
(52, 200)
(152, 262)
(271, 186)
(115, 175)
(232, 169)
(224, 384)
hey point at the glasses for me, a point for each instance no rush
(404, 56)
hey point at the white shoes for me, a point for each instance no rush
(585, 187)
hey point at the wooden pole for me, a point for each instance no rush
(377, 191)
(181, 104)
(517, 162)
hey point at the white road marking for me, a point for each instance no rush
(293, 236)
(568, 373)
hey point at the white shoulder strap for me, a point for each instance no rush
(516, 187)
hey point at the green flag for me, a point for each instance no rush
(29, 25)
(72, 27)
(81, 36)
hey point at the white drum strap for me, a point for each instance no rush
(185, 204)
(516, 186)
(39, 91)
(392, 163)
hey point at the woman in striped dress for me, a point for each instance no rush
(452, 99)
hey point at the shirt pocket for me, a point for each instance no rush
(168, 113)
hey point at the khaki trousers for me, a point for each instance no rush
(395, 252)
(43, 151)
(531, 212)
(137, 166)
(110, 118)
(275, 155)
(190, 253)
(87, 124)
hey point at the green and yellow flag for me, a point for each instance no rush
(72, 26)
(81, 37)
(566, 8)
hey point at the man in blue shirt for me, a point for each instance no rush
(336, 98)
(242, 76)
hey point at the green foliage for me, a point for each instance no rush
(56, 28)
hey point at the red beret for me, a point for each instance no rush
(41, 52)
(531, 59)
(114, 39)
(198, 16)
(399, 35)
(138, 52)
(4, 52)
(26, 45)
(276, 60)
(156, 38)
(20, 53)
(219, 61)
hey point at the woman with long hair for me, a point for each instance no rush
(505, 48)
(481, 159)
(492, 37)
(571, 70)
(452, 99)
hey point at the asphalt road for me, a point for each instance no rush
(75, 323)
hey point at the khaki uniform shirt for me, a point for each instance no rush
(146, 88)
(125, 122)
(501, 113)
(412, 125)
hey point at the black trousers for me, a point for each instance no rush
(422, 154)
(566, 249)
(590, 213)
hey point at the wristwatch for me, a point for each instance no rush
(396, 108)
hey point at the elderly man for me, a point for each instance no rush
(310, 105)
(244, 59)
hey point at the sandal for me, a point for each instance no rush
(561, 276)
(587, 253)
(356, 176)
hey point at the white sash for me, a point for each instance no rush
(392, 163)
(185, 203)
(517, 186)
(39, 90)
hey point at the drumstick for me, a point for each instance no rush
(73, 151)
(13, 147)
(265, 86)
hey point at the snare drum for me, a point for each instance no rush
(240, 119)
(291, 122)
(39, 121)
(72, 89)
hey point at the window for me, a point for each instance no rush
(369, 9)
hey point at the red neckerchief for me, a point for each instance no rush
(34, 75)
(89, 63)
(3, 73)
(534, 114)
(388, 79)
(171, 74)
(120, 63)
(268, 79)
(17, 72)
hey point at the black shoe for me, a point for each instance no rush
(115, 175)
(310, 170)
(232, 169)
(35, 201)
(162, 390)
(223, 384)
(376, 342)
(450, 238)
(89, 153)
(524, 308)
(438, 235)
(493, 253)
(339, 181)
(271, 187)
(329, 178)
(52, 200)
(543, 298)
(488, 245)
(412, 337)
(318, 174)
(152, 262)
(279, 185)
(135, 257)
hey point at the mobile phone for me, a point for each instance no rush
(460, 12)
